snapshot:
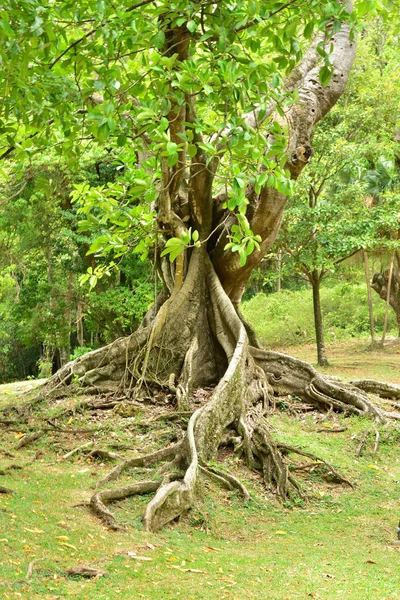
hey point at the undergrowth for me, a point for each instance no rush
(286, 318)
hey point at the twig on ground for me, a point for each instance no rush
(75, 450)
(28, 439)
(377, 436)
(333, 430)
(83, 571)
(362, 442)
(31, 566)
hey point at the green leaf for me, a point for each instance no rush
(325, 75)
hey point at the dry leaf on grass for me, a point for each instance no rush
(187, 570)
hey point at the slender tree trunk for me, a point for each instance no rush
(370, 310)
(64, 355)
(79, 325)
(278, 268)
(319, 328)
(388, 299)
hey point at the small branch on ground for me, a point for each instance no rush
(31, 566)
(362, 442)
(374, 451)
(331, 430)
(75, 450)
(99, 452)
(28, 439)
(83, 571)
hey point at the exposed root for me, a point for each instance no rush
(291, 375)
(286, 448)
(362, 442)
(274, 469)
(196, 339)
(174, 498)
(100, 499)
(230, 481)
(384, 390)
(75, 450)
(141, 461)
(100, 453)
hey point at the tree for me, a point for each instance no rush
(383, 185)
(213, 107)
(319, 233)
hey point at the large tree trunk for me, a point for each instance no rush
(380, 283)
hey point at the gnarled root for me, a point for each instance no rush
(99, 500)
(291, 375)
(141, 461)
(195, 340)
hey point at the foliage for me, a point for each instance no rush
(43, 256)
(100, 75)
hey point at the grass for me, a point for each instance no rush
(336, 546)
(355, 359)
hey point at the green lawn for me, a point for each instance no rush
(336, 546)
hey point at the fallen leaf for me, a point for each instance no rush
(211, 549)
(136, 557)
(34, 530)
(280, 532)
(151, 546)
(370, 562)
(67, 545)
(187, 570)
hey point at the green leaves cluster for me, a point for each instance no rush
(242, 239)
(174, 246)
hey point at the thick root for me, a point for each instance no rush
(175, 498)
(293, 376)
(141, 461)
(100, 499)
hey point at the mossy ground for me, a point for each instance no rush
(336, 546)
